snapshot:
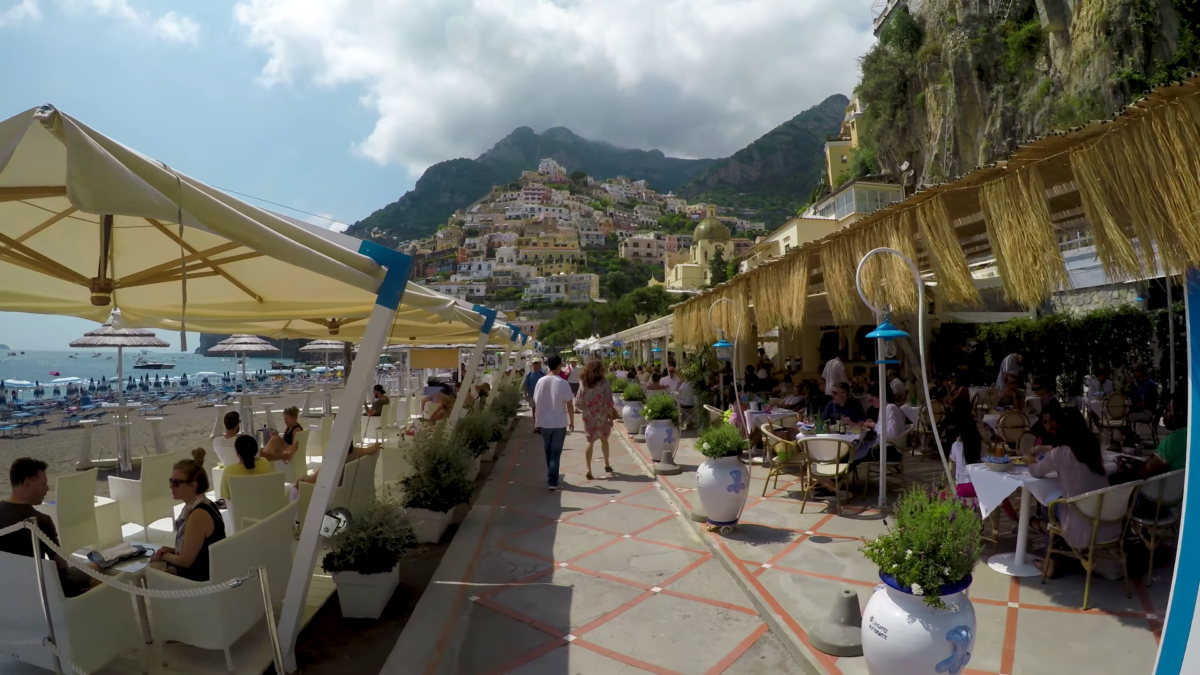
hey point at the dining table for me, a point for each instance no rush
(993, 487)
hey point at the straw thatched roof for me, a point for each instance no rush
(241, 344)
(107, 336)
(320, 346)
(1128, 183)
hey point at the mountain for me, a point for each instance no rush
(457, 183)
(774, 175)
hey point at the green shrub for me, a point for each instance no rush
(921, 100)
(662, 407)
(438, 481)
(619, 384)
(473, 432)
(634, 392)
(929, 51)
(1044, 87)
(1076, 111)
(1025, 43)
(506, 400)
(901, 32)
(934, 542)
(376, 539)
(721, 441)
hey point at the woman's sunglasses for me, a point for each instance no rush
(175, 482)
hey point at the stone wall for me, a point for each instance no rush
(1097, 297)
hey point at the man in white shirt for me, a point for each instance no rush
(671, 381)
(1011, 365)
(1100, 386)
(554, 414)
(834, 373)
(899, 388)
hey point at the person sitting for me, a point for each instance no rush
(843, 406)
(223, 445)
(375, 408)
(248, 464)
(897, 385)
(198, 526)
(1100, 385)
(352, 454)
(896, 424)
(643, 375)
(281, 448)
(671, 381)
(859, 381)
(27, 476)
(1171, 454)
(750, 381)
(1041, 387)
(1045, 430)
(445, 404)
(1080, 467)
(655, 384)
(1011, 397)
(1143, 403)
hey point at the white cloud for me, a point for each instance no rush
(25, 10)
(169, 27)
(447, 78)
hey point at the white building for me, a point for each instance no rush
(743, 226)
(576, 288)
(476, 269)
(523, 211)
(555, 172)
(508, 276)
(507, 255)
(617, 191)
(463, 290)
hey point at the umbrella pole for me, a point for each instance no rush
(121, 375)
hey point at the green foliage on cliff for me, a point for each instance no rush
(584, 321)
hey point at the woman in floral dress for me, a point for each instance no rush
(596, 402)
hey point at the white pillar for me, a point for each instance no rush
(469, 378)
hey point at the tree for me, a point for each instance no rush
(579, 176)
(649, 300)
(718, 268)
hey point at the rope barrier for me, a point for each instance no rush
(87, 569)
(48, 644)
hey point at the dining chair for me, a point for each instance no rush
(825, 459)
(1106, 506)
(1116, 414)
(985, 401)
(785, 454)
(255, 497)
(893, 468)
(923, 428)
(716, 417)
(1165, 491)
(147, 499)
(1011, 426)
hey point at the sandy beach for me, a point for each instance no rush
(184, 427)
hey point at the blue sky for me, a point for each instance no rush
(335, 107)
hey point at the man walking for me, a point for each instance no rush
(553, 414)
(531, 379)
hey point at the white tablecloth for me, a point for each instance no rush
(910, 412)
(993, 487)
(758, 418)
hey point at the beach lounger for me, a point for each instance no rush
(71, 421)
(12, 429)
(157, 409)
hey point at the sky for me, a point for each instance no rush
(333, 108)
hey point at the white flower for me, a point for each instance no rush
(895, 566)
(917, 590)
(946, 572)
(907, 554)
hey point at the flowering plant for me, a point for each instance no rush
(721, 441)
(934, 542)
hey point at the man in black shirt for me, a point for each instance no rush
(843, 406)
(29, 488)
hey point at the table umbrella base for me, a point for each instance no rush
(1006, 563)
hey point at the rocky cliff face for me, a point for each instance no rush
(955, 84)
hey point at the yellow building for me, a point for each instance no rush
(790, 235)
(553, 268)
(537, 255)
(710, 236)
(838, 148)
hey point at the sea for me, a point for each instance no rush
(37, 366)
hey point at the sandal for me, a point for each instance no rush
(608, 468)
(589, 475)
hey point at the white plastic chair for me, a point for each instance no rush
(362, 490)
(149, 499)
(1165, 491)
(75, 510)
(91, 629)
(255, 497)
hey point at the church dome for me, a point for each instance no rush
(711, 228)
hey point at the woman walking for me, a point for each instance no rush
(596, 401)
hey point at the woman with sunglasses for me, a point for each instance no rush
(199, 525)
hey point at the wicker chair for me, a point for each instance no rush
(1116, 414)
(716, 417)
(825, 459)
(786, 454)
(1011, 426)
(1099, 507)
(923, 428)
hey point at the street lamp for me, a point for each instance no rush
(885, 334)
(728, 352)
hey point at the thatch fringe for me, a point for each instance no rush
(691, 320)
(839, 264)
(1113, 245)
(1022, 237)
(780, 292)
(946, 255)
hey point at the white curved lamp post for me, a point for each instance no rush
(728, 352)
(885, 333)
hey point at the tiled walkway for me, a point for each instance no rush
(603, 577)
(794, 564)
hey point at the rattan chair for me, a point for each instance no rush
(985, 401)
(825, 459)
(1105, 506)
(892, 468)
(923, 428)
(1165, 491)
(785, 454)
(1116, 414)
(716, 417)
(1011, 426)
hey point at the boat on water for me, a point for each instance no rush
(145, 364)
(96, 355)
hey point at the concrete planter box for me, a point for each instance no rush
(491, 452)
(429, 526)
(473, 471)
(363, 596)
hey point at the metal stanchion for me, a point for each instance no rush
(41, 582)
(276, 649)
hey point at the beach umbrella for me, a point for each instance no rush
(112, 335)
(37, 389)
(57, 393)
(243, 345)
(325, 347)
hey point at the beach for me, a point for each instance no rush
(184, 427)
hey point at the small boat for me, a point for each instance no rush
(145, 364)
(55, 373)
(69, 356)
(97, 355)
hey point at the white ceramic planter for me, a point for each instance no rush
(901, 635)
(631, 415)
(429, 526)
(473, 470)
(363, 596)
(723, 485)
(491, 452)
(618, 402)
(661, 436)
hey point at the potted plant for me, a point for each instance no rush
(662, 431)
(618, 388)
(722, 481)
(631, 414)
(437, 483)
(472, 433)
(506, 400)
(920, 620)
(364, 559)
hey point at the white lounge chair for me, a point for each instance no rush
(149, 499)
